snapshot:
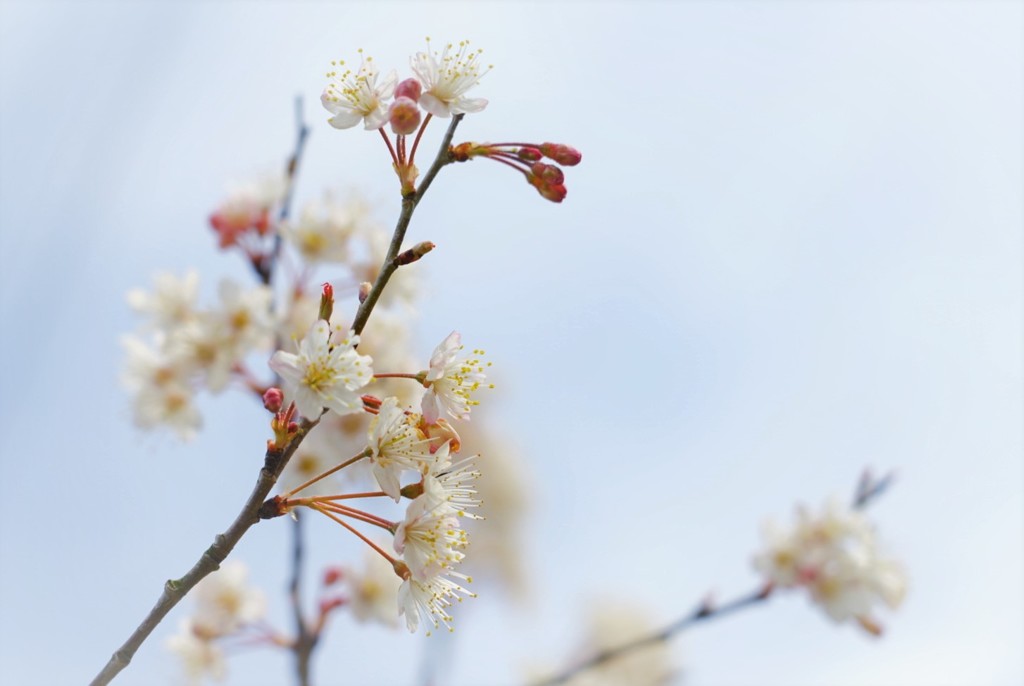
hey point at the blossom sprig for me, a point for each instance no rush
(835, 556)
(439, 88)
(526, 158)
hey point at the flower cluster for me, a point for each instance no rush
(429, 540)
(440, 87)
(245, 215)
(225, 606)
(186, 347)
(834, 555)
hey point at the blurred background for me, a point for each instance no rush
(793, 250)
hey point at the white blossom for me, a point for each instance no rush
(354, 96)
(453, 484)
(452, 380)
(200, 657)
(172, 302)
(397, 446)
(430, 599)
(835, 555)
(447, 77)
(373, 591)
(163, 393)
(225, 602)
(429, 539)
(320, 375)
(324, 229)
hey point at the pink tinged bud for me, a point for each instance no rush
(273, 399)
(327, 303)
(410, 88)
(548, 173)
(555, 192)
(404, 116)
(529, 154)
(333, 575)
(364, 291)
(563, 154)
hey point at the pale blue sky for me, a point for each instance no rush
(793, 249)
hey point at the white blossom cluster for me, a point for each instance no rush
(327, 375)
(225, 606)
(183, 347)
(834, 554)
(442, 80)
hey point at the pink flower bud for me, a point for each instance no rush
(273, 398)
(563, 154)
(529, 154)
(404, 116)
(548, 173)
(410, 88)
(333, 575)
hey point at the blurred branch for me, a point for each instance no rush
(409, 203)
(176, 589)
(868, 489)
(305, 640)
(705, 611)
(265, 267)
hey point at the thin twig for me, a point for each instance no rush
(702, 612)
(176, 589)
(265, 268)
(305, 640)
(868, 488)
(409, 203)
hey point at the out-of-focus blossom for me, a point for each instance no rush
(172, 302)
(324, 230)
(834, 554)
(163, 393)
(247, 208)
(200, 657)
(373, 591)
(614, 623)
(225, 602)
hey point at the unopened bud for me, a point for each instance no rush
(548, 173)
(563, 154)
(333, 575)
(327, 303)
(364, 291)
(553, 192)
(410, 88)
(529, 154)
(414, 253)
(273, 398)
(404, 116)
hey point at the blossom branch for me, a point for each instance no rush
(702, 612)
(868, 489)
(175, 589)
(409, 203)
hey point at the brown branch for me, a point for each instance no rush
(868, 489)
(409, 203)
(701, 613)
(305, 640)
(209, 561)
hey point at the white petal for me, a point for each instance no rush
(468, 105)
(435, 106)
